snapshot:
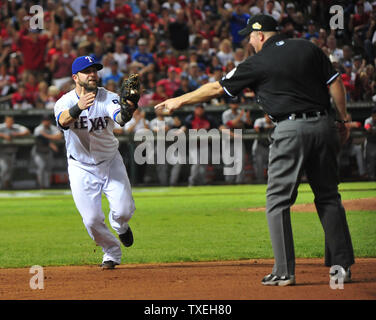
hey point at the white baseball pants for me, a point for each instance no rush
(88, 182)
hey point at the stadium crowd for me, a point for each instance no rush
(176, 46)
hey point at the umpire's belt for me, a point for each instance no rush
(299, 115)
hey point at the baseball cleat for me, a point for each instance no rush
(109, 264)
(273, 280)
(127, 237)
(346, 274)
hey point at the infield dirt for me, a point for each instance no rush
(228, 280)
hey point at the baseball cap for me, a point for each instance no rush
(260, 22)
(290, 6)
(84, 62)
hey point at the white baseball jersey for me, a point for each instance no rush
(90, 139)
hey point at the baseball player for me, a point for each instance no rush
(43, 150)
(9, 131)
(260, 147)
(235, 118)
(87, 115)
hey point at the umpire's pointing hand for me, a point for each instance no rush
(168, 106)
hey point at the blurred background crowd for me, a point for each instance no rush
(175, 46)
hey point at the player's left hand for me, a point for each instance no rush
(129, 96)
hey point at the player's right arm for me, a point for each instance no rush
(70, 115)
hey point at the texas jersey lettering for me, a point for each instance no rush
(92, 124)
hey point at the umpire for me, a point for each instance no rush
(291, 78)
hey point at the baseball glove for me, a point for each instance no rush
(130, 90)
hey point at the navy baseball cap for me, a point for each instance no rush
(84, 62)
(260, 22)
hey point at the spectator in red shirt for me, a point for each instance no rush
(194, 12)
(171, 59)
(171, 83)
(183, 65)
(33, 47)
(159, 95)
(348, 78)
(106, 19)
(139, 27)
(207, 31)
(21, 99)
(31, 83)
(160, 57)
(61, 64)
(358, 23)
(123, 14)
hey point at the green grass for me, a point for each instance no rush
(170, 224)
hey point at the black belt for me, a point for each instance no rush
(70, 156)
(299, 115)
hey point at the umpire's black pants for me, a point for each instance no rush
(309, 145)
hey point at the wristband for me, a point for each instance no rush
(75, 111)
(342, 121)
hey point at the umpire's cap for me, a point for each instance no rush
(84, 62)
(260, 22)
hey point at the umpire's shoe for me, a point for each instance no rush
(273, 280)
(109, 264)
(127, 237)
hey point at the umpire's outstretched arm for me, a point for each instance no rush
(204, 93)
